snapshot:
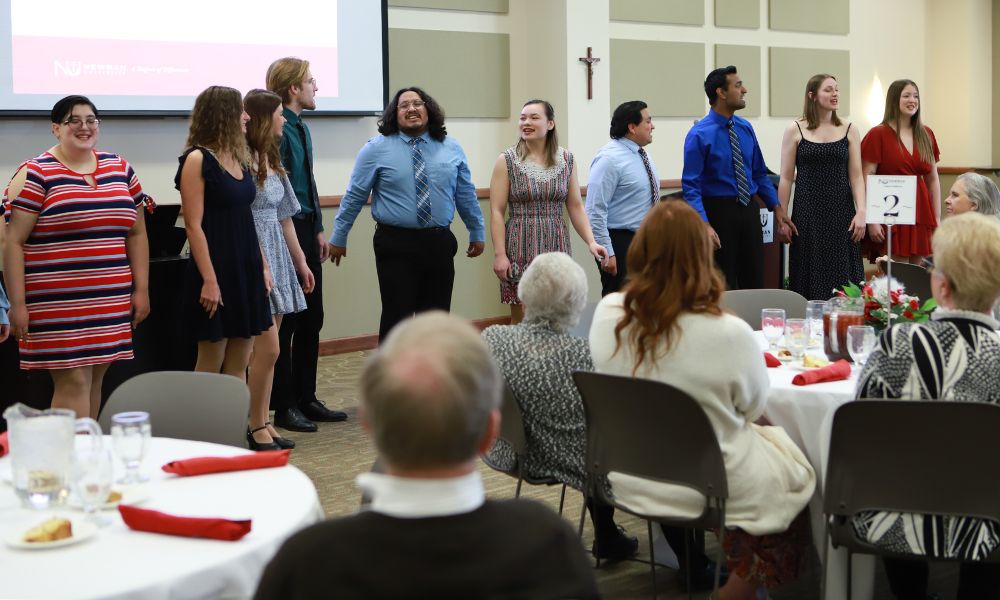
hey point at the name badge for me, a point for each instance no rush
(767, 225)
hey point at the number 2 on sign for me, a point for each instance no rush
(890, 211)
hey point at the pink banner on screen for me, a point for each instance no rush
(136, 68)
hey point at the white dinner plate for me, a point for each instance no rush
(798, 366)
(82, 531)
(130, 495)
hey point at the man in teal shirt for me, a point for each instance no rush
(293, 395)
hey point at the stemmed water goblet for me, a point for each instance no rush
(860, 343)
(130, 433)
(772, 323)
(814, 317)
(91, 474)
(796, 337)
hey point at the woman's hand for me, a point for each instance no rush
(306, 277)
(211, 297)
(268, 281)
(140, 308)
(501, 266)
(18, 315)
(4, 332)
(875, 233)
(599, 252)
(857, 227)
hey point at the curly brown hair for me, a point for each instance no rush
(670, 273)
(388, 124)
(215, 123)
(264, 145)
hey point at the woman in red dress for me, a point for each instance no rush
(902, 145)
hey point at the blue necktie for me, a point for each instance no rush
(743, 189)
(420, 176)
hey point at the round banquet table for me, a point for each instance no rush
(806, 414)
(120, 563)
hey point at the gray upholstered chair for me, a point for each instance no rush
(747, 304)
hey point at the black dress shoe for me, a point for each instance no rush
(316, 411)
(258, 446)
(617, 547)
(702, 579)
(292, 419)
(283, 443)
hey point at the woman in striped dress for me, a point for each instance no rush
(536, 178)
(76, 259)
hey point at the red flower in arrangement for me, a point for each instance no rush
(908, 315)
(914, 304)
(902, 306)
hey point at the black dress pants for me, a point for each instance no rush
(416, 271)
(298, 337)
(741, 257)
(908, 580)
(621, 239)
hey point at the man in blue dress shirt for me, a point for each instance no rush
(623, 185)
(417, 177)
(720, 183)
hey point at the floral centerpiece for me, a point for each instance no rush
(878, 292)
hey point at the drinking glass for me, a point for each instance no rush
(860, 342)
(796, 337)
(130, 433)
(772, 323)
(91, 474)
(814, 318)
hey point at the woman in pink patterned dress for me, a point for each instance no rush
(536, 179)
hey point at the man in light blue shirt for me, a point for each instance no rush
(622, 187)
(417, 177)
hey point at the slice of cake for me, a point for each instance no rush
(49, 531)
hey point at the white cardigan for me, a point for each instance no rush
(716, 360)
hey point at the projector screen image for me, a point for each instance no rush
(155, 56)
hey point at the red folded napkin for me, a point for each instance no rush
(771, 360)
(835, 372)
(4, 444)
(154, 521)
(218, 464)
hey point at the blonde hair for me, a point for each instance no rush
(892, 116)
(967, 253)
(284, 73)
(215, 124)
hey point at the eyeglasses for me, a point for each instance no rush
(77, 122)
(927, 262)
(411, 104)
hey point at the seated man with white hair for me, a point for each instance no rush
(430, 397)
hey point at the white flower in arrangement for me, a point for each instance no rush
(881, 287)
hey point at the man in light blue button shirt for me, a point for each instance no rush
(622, 187)
(412, 164)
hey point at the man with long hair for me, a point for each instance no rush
(417, 177)
(293, 395)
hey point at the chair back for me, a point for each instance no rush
(916, 279)
(747, 304)
(651, 430)
(582, 327)
(206, 407)
(925, 457)
(512, 424)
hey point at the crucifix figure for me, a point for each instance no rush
(590, 62)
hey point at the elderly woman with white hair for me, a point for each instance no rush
(973, 192)
(955, 354)
(537, 358)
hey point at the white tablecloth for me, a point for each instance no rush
(121, 563)
(806, 413)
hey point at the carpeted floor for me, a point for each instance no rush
(335, 455)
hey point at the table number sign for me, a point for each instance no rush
(892, 199)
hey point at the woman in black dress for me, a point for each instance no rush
(822, 155)
(227, 281)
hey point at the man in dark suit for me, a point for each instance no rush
(430, 398)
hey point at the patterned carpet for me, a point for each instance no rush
(335, 455)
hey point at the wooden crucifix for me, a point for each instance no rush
(590, 61)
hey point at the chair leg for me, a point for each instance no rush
(850, 575)
(517, 493)
(652, 558)
(562, 499)
(583, 515)
(722, 553)
(687, 563)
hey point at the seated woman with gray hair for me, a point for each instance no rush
(956, 355)
(973, 192)
(537, 358)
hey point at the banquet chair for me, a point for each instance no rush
(867, 471)
(582, 328)
(512, 432)
(652, 430)
(747, 304)
(206, 407)
(916, 279)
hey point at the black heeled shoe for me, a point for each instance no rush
(258, 446)
(282, 442)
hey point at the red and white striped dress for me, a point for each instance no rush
(78, 283)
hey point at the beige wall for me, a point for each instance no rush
(546, 40)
